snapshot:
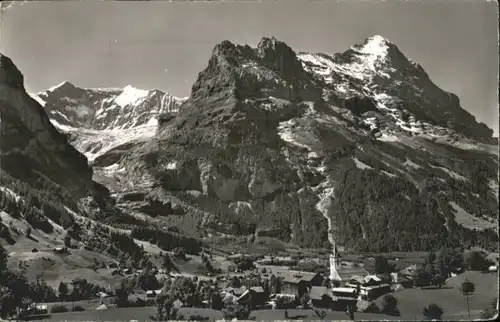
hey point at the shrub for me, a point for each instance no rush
(433, 311)
(59, 309)
(389, 305)
(78, 309)
(137, 303)
(372, 308)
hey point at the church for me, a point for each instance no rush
(335, 266)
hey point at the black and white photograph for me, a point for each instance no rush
(249, 160)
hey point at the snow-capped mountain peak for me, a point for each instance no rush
(400, 89)
(99, 119)
(131, 95)
(63, 85)
(375, 46)
(104, 108)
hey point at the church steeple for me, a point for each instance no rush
(334, 264)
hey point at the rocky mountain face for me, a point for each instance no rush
(43, 177)
(361, 147)
(31, 148)
(101, 120)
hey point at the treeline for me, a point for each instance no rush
(118, 245)
(386, 214)
(167, 240)
(38, 202)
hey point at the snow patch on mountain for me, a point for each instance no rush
(37, 98)
(130, 95)
(361, 165)
(53, 88)
(392, 175)
(451, 173)
(388, 138)
(410, 163)
(374, 53)
(290, 132)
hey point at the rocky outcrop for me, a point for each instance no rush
(31, 148)
(268, 139)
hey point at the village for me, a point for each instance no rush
(272, 284)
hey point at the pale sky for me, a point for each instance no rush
(164, 45)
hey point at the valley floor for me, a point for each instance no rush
(410, 303)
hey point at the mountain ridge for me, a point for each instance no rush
(305, 148)
(104, 108)
(97, 120)
(275, 140)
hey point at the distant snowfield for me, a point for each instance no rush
(462, 217)
(106, 140)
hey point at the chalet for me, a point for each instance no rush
(321, 296)
(256, 294)
(152, 293)
(298, 283)
(259, 297)
(374, 291)
(41, 309)
(235, 257)
(229, 297)
(236, 291)
(371, 280)
(355, 281)
(344, 297)
(287, 300)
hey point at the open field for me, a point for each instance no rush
(412, 301)
(143, 313)
(48, 265)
